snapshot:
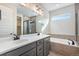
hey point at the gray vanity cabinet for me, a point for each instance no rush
(37, 48)
(46, 46)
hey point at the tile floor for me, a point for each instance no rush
(54, 54)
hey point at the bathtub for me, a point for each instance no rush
(63, 41)
(64, 46)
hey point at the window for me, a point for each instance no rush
(61, 17)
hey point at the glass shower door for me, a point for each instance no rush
(25, 27)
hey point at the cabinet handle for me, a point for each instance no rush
(39, 49)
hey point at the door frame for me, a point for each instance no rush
(20, 15)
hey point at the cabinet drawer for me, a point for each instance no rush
(47, 45)
(20, 50)
(46, 52)
(47, 40)
(39, 42)
(40, 54)
(40, 49)
(30, 53)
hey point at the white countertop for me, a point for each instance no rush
(25, 39)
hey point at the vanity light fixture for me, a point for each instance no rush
(36, 8)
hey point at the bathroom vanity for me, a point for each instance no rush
(33, 47)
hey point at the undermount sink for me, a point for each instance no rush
(19, 41)
(26, 37)
(4, 39)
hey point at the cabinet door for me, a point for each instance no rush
(30, 53)
(46, 46)
(40, 42)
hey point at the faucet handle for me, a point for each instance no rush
(11, 33)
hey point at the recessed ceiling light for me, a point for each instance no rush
(23, 4)
(57, 5)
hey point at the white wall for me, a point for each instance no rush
(63, 26)
(8, 20)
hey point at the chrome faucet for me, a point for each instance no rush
(15, 37)
(73, 43)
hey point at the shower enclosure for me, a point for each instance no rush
(29, 26)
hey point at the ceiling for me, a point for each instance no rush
(53, 6)
(46, 6)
